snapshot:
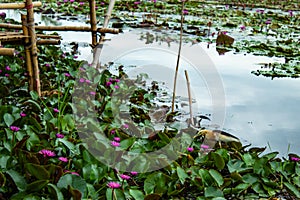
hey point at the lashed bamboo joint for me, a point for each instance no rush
(63, 28)
(7, 52)
(18, 5)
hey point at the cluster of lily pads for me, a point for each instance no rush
(44, 153)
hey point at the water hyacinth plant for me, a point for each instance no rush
(43, 155)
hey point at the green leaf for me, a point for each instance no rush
(8, 119)
(74, 181)
(36, 185)
(217, 177)
(206, 177)
(18, 179)
(293, 189)
(68, 144)
(136, 194)
(125, 144)
(181, 174)
(218, 160)
(38, 171)
(164, 137)
(212, 192)
(248, 159)
(55, 192)
(250, 178)
(34, 95)
(155, 183)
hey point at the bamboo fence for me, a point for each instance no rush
(30, 39)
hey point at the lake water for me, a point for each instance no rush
(258, 110)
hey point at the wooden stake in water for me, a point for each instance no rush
(190, 96)
(178, 57)
(93, 21)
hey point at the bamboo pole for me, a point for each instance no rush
(93, 21)
(7, 52)
(12, 37)
(178, 57)
(47, 42)
(63, 28)
(97, 50)
(27, 53)
(57, 37)
(20, 5)
(31, 31)
(189, 95)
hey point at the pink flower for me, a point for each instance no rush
(72, 1)
(0, 70)
(65, 1)
(137, 2)
(243, 27)
(63, 159)
(14, 128)
(117, 80)
(47, 65)
(59, 135)
(112, 132)
(185, 12)
(125, 126)
(115, 144)
(291, 13)
(47, 153)
(117, 139)
(7, 68)
(67, 74)
(133, 173)
(102, 3)
(154, 1)
(116, 86)
(81, 3)
(75, 56)
(295, 159)
(108, 83)
(7, 75)
(68, 171)
(113, 185)
(92, 93)
(124, 177)
(22, 114)
(56, 110)
(204, 146)
(81, 80)
(190, 149)
(87, 81)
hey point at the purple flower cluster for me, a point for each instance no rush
(47, 153)
(14, 128)
(111, 81)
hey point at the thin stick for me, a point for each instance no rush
(93, 20)
(31, 31)
(190, 96)
(98, 48)
(27, 53)
(178, 57)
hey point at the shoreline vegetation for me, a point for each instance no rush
(48, 142)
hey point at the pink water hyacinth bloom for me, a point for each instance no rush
(190, 149)
(204, 146)
(72, 1)
(115, 144)
(117, 139)
(81, 3)
(125, 126)
(14, 128)
(65, 1)
(63, 159)
(117, 80)
(93, 93)
(56, 110)
(67, 74)
(124, 177)
(137, 2)
(7, 75)
(59, 135)
(108, 83)
(116, 86)
(0, 70)
(81, 80)
(7, 68)
(87, 81)
(185, 12)
(291, 13)
(75, 57)
(243, 27)
(47, 153)
(75, 173)
(113, 185)
(295, 159)
(102, 3)
(22, 114)
(47, 65)
(112, 132)
(133, 173)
